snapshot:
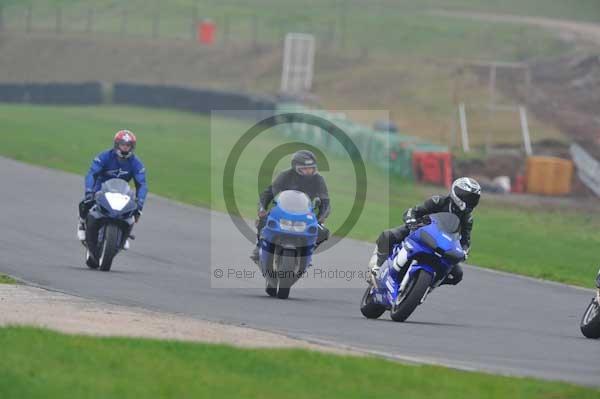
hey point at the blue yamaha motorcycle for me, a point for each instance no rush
(109, 223)
(415, 268)
(287, 242)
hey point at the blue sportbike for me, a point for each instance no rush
(287, 242)
(416, 267)
(109, 223)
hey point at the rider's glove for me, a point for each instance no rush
(466, 250)
(262, 212)
(89, 197)
(409, 218)
(137, 214)
(410, 221)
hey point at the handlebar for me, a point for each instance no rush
(424, 221)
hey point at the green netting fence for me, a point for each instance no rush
(388, 150)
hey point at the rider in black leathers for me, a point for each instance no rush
(463, 198)
(302, 176)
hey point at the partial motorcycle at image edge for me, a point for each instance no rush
(287, 242)
(109, 223)
(590, 322)
(422, 262)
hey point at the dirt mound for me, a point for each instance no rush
(37, 57)
(566, 92)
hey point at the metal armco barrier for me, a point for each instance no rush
(588, 168)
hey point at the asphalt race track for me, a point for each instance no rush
(491, 321)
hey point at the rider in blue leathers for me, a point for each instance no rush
(118, 162)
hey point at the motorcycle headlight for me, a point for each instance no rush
(299, 226)
(117, 201)
(289, 225)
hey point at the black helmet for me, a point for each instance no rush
(304, 163)
(465, 193)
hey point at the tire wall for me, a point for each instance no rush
(202, 101)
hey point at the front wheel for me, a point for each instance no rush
(89, 261)
(590, 322)
(110, 246)
(286, 270)
(368, 308)
(409, 300)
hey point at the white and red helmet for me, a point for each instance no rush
(122, 140)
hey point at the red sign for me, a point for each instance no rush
(206, 32)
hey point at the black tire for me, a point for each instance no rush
(590, 322)
(90, 262)
(287, 265)
(283, 293)
(414, 292)
(110, 246)
(271, 287)
(369, 309)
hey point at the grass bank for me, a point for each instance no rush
(4, 279)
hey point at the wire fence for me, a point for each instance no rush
(160, 21)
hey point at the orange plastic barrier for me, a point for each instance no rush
(433, 167)
(206, 32)
(549, 175)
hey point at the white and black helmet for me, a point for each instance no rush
(465, 193)
(303, 160)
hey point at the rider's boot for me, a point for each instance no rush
(81, 230)
(374, 266)
(399, 264)
(254, 255)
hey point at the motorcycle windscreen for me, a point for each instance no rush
(447, 222)
(294, 202)
(116, 186)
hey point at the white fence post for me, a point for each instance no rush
(463, 127)
(525, 130)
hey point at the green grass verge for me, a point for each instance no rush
(38, 363)
(4, 279)
(176, 148)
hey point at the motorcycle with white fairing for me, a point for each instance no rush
(109, 223)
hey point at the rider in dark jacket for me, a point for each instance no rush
(302, 176)
(463, 198)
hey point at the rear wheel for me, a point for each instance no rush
(110, 246)
(409, 301)
(590, 322)
(368, 308)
